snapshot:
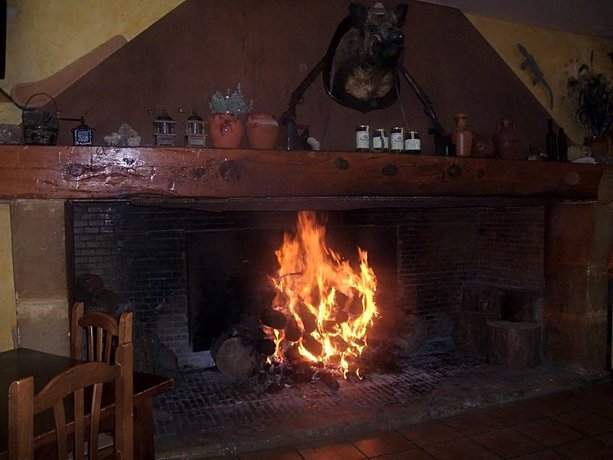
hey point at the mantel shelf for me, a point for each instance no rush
(225, 177)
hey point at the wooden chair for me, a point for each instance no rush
(103, 333)
(74, 388)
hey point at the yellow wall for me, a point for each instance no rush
(8, 316)
(558, 55)
(45, 36)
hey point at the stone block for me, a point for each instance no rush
(577, 341)
(570, 232)
(39, 248)
(43, 325)
(566, 289)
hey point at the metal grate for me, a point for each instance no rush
(208, 412)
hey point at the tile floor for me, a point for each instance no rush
(574, 424)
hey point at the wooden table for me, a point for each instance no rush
(23, 362)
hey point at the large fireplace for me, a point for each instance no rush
(455, 229)
(189, 274)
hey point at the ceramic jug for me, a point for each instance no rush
(506, 141)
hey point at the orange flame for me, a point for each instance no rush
(329, 306)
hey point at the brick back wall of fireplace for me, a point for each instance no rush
(140, 253)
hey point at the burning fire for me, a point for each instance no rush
(323, 307)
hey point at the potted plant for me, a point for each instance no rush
(591, 96)
(225, 127)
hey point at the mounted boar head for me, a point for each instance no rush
(361, 69)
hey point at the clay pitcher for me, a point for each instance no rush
(262, 130)
(226, 130)
(506, 141)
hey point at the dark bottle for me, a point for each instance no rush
(562, 146)
(551, 142)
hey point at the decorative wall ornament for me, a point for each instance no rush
(538, 77)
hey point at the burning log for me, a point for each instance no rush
(354, 305)
(303, 372)
(379, 359)
(292, 331)
(326, 321)
(330, 380)
(315, 295)
(273, 318)
(266, 347)
(309, 320)
(341, 316)
(331, 327)
(340, 299)
(292, 354)
(312, 345)
(339, 343)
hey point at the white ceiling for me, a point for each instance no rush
(590, 17)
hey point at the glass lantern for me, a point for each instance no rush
(194, 131)
(164, 129)
(82, 134)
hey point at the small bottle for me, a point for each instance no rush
(412, 142)
(397, 139)
(562, 146)
(379, 140)
(362, 138)
(551, 142)
(461, 136)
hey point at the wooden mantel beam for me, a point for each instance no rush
(66, 172)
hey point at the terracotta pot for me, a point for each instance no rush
(226, 130)
(262, 130)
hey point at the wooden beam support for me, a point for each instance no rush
(109, 173)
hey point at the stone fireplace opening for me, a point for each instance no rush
(141, 253)
(176, 267)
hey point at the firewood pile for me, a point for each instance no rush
(248, 352)
(319, 321)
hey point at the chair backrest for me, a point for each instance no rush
(74, 388)
(103, 333)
